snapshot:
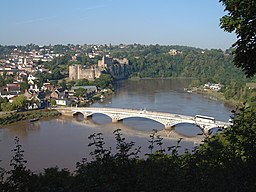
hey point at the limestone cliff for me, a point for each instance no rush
(119, 71)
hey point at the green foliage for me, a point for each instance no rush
(63, 84)
(58, 67)
(3, 101)
(7, 107)
(26, 115)
(155, 61)
(104, 81)
(53, 102)
(24, 86)
(98, 142)
(70, 84)
(6, 50)
(123, 148)
(237, 90)
(81, 92)
(230, 157)
(223, 162)
(53, 179)
(2, 175)
(82, 82)
(4, 79)
(19, 177)
(20, 102)
(241, 19)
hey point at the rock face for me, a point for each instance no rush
(119, 71)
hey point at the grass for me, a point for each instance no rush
(26, 115)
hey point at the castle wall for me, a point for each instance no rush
(118, 71)
(105, 62)
(78, 72)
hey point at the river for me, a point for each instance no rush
(63, 141)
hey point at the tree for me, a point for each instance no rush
(82, 82)
(20, 176)
(81, 92)
(241, 19)
(70, 84)
(20, 102)
(56, 74)
(2, 102)
(63, 84)
(24, 86)
(104, 81)
(7, 107)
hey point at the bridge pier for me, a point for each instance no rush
(116, 120)
(169, 127)
(87, 117)
(206, 131)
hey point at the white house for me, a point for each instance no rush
(63, 102)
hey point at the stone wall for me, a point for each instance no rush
(78, 72)
(106, 65)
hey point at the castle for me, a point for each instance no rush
(78, 72)
(118, 68)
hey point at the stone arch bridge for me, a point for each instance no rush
(169, 120)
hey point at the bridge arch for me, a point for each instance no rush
(90, 114)
(142, 117)
(78, 115)
(188, 129)
(150, 122)
(167, 119)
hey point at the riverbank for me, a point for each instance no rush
(215, 95)
(212, 94)
(12, 117)
(161, 78)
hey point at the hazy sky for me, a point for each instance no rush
(168, 22)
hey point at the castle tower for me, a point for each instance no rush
(79, 72)
(73, 72)
(101, 63)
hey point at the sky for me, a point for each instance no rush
(166, 22)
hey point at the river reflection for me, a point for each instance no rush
(63, 141)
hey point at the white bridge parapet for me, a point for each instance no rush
(169, 120)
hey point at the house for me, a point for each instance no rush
(10, 90)
(213, 86)
(31, 77)
(8, 95)
(33, 100)
(55, 94)
(44, 103)
(63, 102)
(12, 87)
(216, 87)
(48, 86)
